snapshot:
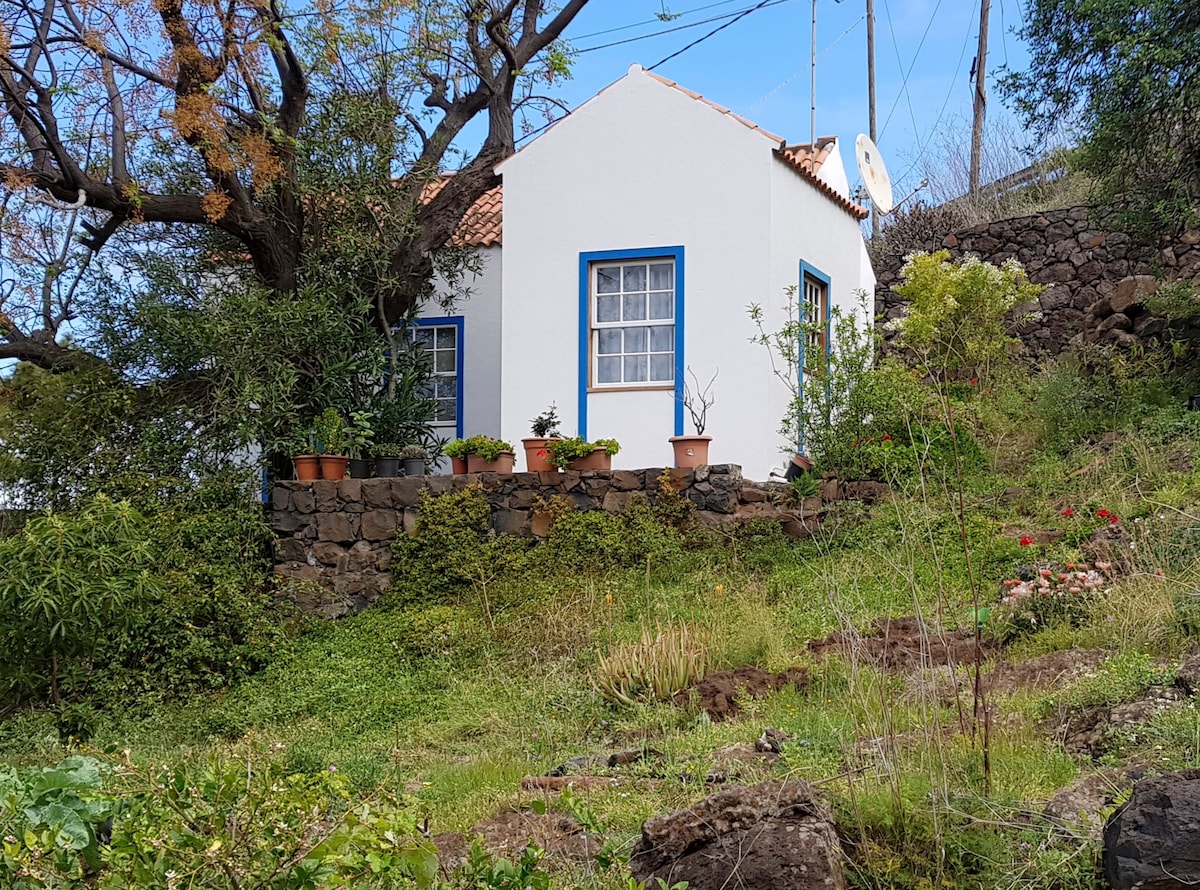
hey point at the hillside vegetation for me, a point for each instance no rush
(1053, 512)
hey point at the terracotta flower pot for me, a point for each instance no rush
(458, 465)
(333, 467)
(503, 463)
(308, 467)
(537, 458)
(690, 451)
(597, 460)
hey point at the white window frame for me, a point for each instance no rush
(597, 328)
(435, 375)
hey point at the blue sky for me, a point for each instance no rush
(759, 65)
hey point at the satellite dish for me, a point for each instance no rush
(874, 174)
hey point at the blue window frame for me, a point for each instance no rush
(443, 339)
(814, 311)
(631, 324)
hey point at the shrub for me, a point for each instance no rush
(656, 667)
(585, 541)
(957, 312)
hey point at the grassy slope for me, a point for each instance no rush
(433, 701)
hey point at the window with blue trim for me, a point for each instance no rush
(632, 323)
(815, 309)
(441, 343)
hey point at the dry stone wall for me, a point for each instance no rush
(1081, 263)
(335, 537)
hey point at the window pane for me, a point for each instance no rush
(425, 389)
(634, 307)
(446, 387)
(608, 308)
(610, 342)
(444, 360)
(445, 337)
(446, 410)
(662, 338)
(662, 367)
(608, 370)
(608, 279)
(635, 368)
(424, 336)
(635, 278)
(635, 340)
(662, 276)
(662, 305)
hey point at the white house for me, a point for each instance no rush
(636, 231)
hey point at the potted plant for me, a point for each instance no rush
(413, 458)
(359, 433)
(330, 429)
(387, 458)
(692, 451)
(457, 450)
(545, 429)
(577, 454)
(490, 455)
(305, 460)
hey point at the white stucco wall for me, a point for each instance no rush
(644, 165)
(481, 372)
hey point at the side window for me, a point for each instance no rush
(816, 317)
(441, 342)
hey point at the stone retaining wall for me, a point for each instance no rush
(337, 535)
(1076, 257)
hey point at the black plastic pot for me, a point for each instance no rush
(360, 468)
(414, 466)
(387, 466)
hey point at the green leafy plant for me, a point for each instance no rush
(457, 448)
(563, 451)
(386, 449)
(413, 452)
(359, 433)
(482, 871)
(330, 430)
(662, 663)
(490, 449)
(69, 580)
(545, 424)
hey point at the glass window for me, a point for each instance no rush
(633, 323)
(816, 320)
(441, 342)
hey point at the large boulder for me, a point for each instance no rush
(759, 837)
(1153, 841)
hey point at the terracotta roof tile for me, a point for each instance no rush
(801, 159)
(483, 223)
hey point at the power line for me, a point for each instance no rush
(729, 15)
(912, 65)
(653, 21)
(699, 40)
(796, 74)
(945, 104)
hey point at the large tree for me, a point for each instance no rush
(284, 137)
(1127, 73)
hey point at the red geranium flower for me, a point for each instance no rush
(887, 437)
(1103, 514)
(974, 381)
(1026, 541)
(1069, 512)
(1113, 518)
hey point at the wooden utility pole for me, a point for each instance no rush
(980, 99)
(871, 96)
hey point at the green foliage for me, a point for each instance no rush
(957, 312)
(1175, 301)
(660, 664)
(49, 822)
(545, 424)
(482, 871)
(330, 432)
(457, 448)
(1094, 389)
(1127, 72)
(490, 449)
(69, 581)
(561, 452)
(595, 541)
(1119, 678)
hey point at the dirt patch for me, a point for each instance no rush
(507, 834)
(1043, 672)
(905, 644)
(718, 694)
